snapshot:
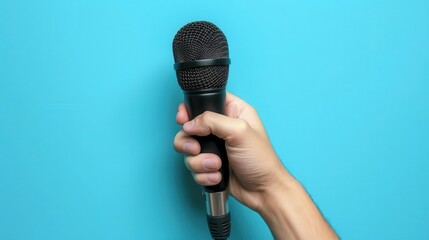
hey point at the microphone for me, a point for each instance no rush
(202, 61)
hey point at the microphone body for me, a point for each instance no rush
(218, 217)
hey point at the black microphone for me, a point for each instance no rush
(202, 64)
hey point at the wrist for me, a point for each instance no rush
(280, 191)
(291, 214)
(282, 184)
(276, 207)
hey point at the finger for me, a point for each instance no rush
(230, 98)
(182, 114)
(185, 144)
(229, 129)
(203, 163)
(208, 179)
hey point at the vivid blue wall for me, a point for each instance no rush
(88, 101)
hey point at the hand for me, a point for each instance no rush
(257, 178)
(255, 167)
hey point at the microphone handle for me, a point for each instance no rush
(218, 216)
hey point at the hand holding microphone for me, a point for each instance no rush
(255, 168)
(227, 147)
(202, 61)
(257, 178)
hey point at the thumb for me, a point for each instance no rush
(230, 129)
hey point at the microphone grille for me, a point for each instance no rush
(196, 41)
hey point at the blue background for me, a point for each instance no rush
(88, 101)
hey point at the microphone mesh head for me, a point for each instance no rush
(197, 41)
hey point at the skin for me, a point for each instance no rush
(258, 179)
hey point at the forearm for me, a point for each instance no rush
(291, 214)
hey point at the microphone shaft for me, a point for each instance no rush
(218, 217)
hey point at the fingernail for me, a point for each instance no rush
(188, 126)
(213, 177)
(187, 147)
(209, 164)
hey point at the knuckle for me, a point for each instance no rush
(242, 126)
(205, 118)
(176, 142)
(199, 178)
(253, 111)
(189, 162)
